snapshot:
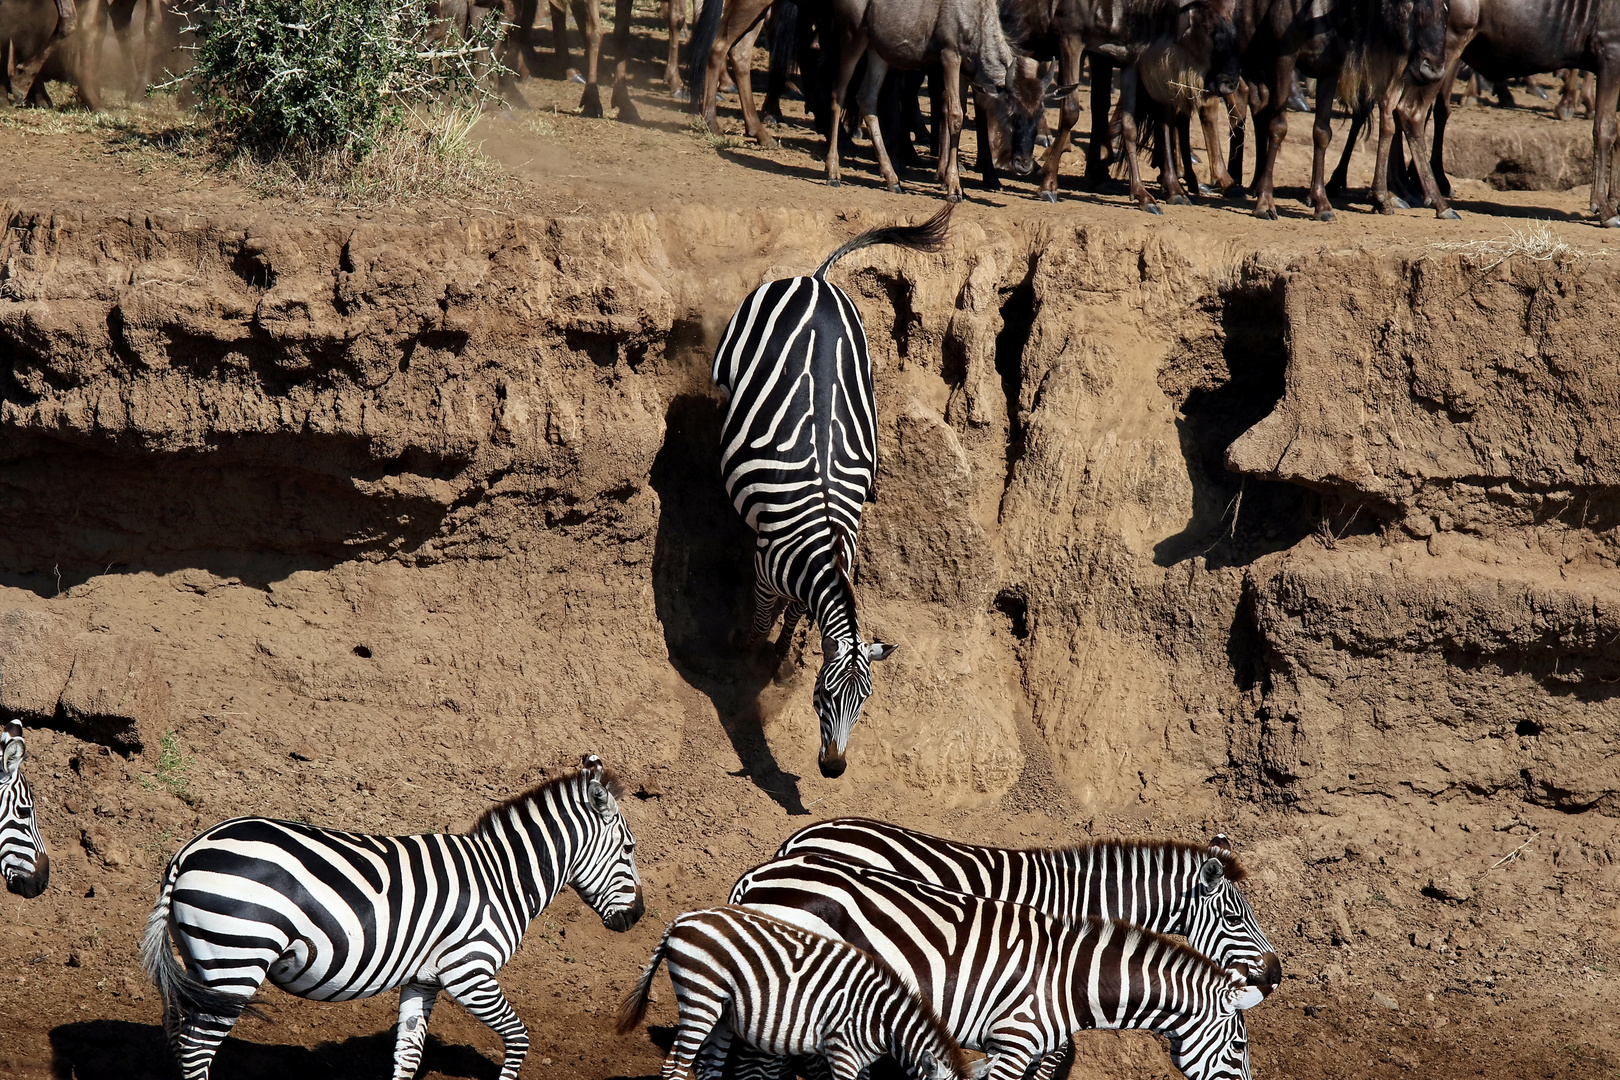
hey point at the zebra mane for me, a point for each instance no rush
(958, 1057)
(1164, 941)
(608, 778)
(1230, 866)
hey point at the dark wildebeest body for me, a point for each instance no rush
(121, 13)
(914, 35)
(33, 29)
(1377, 42)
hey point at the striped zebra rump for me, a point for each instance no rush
(1165, 886)
(334, 915)
(799, 460)
(1009, 979)
(23, 860)
(741, 974)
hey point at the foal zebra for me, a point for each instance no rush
(1009, 979)
(739, 973)
(1168, 887)
(336, 915)
(799, 459)
(23, 861)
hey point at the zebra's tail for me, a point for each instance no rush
(929, 236)
(182, 994)
(634, 1009)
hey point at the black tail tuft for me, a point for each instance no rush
(634, 1008)
(702, 41)
(929, 236)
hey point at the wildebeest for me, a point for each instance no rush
(1375, 42)
(1504, 39)
(915, 34)
(121, 14)
(33, 31)
(520, 15)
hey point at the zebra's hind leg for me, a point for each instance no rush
(755, 1064)
(1046, 1066)
(415, 1006)
(784, 644)
(766, 605)
(711, 1059)
(195, 1040)
(481, 995)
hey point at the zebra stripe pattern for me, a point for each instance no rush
(1011, 980)
(23, 861)
(335, 915)
(741, 974)
(1168, 887)
(799, 460)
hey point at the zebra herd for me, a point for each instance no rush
(858, 939)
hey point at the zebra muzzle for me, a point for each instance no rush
(625, 918)
(31, 885)
(1269, 976)
(832, 767)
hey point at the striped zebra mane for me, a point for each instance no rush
(1231, 867)
(1164, 941)
(607, 778)
(957, 1056)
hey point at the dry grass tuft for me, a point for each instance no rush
(1535, 241)
(701, 132)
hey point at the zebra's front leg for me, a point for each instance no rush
(415, 1006)
(480, 995)
(1048, 1064)
(766, 605)
(790, 624)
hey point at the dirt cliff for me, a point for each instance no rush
(370, 522)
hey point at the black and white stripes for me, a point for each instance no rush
(740, 974)
(799, 460)
(1164, 886)
(1011, 980)
(333, 915)
(23, 861)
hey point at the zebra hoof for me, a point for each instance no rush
(1049, 196)
(1449, 215)
(1325, 215)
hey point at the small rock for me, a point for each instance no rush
(303, 753)
(77, 958)
(1385, 1000)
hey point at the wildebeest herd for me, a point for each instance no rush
(861, 64)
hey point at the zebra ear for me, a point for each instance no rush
(14, 754)
(1222, 841)
(601, 799)
(1211, 874)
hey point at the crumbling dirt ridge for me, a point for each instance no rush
(371, 523)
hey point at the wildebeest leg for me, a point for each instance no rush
(675, 18)
(1220, 180)
(742, 73)
(1174, 194)
(1322, 136)
(1273, 118)
(1386, 139)
(1340, 180)
(950, 138)
(121, 13)
(559, 36)
(784, 44)
(740, 17)
(867, 102)
(1128, 86)
(1237, 118)
(1069, 54)
(588, 13)
(1603, 135)
(621, 59)
(981, 132)
(1102, 99)
(851, 47)
(1183, 128)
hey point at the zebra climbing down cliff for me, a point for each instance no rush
(799, 459)
(1011, 980)
(1168, 887)
(741, 974)
(23, 861)
(335, 915)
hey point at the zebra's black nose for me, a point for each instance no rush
(1270, 976)
(31, 885)
(625, 918)
(832, 767)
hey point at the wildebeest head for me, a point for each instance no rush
(1425, 22)
(1013, 114)
(1207, 42)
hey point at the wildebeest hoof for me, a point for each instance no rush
(1194, 158)
(1043, 140)
(770, 119)
(1152, 208)
(1269, 213)
(729, 88)
(894, 189)
(992, 183)
(591, 103)
(575, 77)
(1237, 193)
(1449, 215)
(1399, 203)
(1325, 215)
(1612, 223)
(834, 182)
(1049, 196)
(1205, 189)
(682, 95)
(950, 196)
(1179, 200)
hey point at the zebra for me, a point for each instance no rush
(1166, 886)
(337, 915)
(23, 861)
(785, 991)
(1009, 979)
(799, 460)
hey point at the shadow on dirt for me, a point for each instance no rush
(703, 578)
(122, 1050)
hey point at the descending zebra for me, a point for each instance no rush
(336, 915)
(739, 973)
(23, 861)
(798, 452)
(1168, 887)
(1009, 979)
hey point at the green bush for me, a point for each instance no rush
(305, 78)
